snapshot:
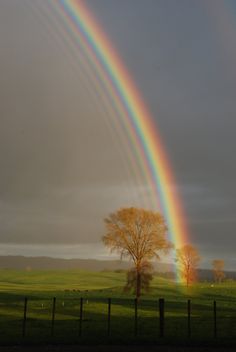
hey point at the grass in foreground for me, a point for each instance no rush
(69, 286)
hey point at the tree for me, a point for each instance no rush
(188, 259)
(146, 276)
(139, 235)
(218, 269)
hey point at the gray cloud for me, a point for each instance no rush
(63, 164)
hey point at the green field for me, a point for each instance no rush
(69, 286)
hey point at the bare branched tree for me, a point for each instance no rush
(137, 234)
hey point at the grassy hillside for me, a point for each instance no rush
(56, 282)
(69, 286)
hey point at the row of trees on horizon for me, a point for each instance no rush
(141, 235)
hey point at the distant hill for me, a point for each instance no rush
(203, 275)
(47, 263)
(207, 275)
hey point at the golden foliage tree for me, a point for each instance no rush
(218, 269)
(188, 259)
(137, 234)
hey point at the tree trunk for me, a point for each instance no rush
(138, 284)
(188, 276)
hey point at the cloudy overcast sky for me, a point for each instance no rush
(63, 168)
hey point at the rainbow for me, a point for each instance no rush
(136, 118)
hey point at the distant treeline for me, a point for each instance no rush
(203, 274)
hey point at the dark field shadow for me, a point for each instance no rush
(94, 326)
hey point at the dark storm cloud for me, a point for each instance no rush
(56, 167)
(59, 164)
(186, 73)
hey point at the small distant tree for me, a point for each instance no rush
(188, 259)
(218, 269)
(139, 235)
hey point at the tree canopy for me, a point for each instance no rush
(188, 259)
(218, 269)
(137, 234)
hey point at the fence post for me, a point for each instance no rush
(215, 326)
(189, 318)
(80, 316)
(161, 316)
(24, 317)
(109, 317)
(135, 316)
(53, 315)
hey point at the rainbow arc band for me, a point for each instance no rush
(136, 118)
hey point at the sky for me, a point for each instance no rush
(63, 165)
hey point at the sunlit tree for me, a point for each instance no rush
(218, 269)
(188, 259)
(139, 235)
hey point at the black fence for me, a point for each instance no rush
(149, 319)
